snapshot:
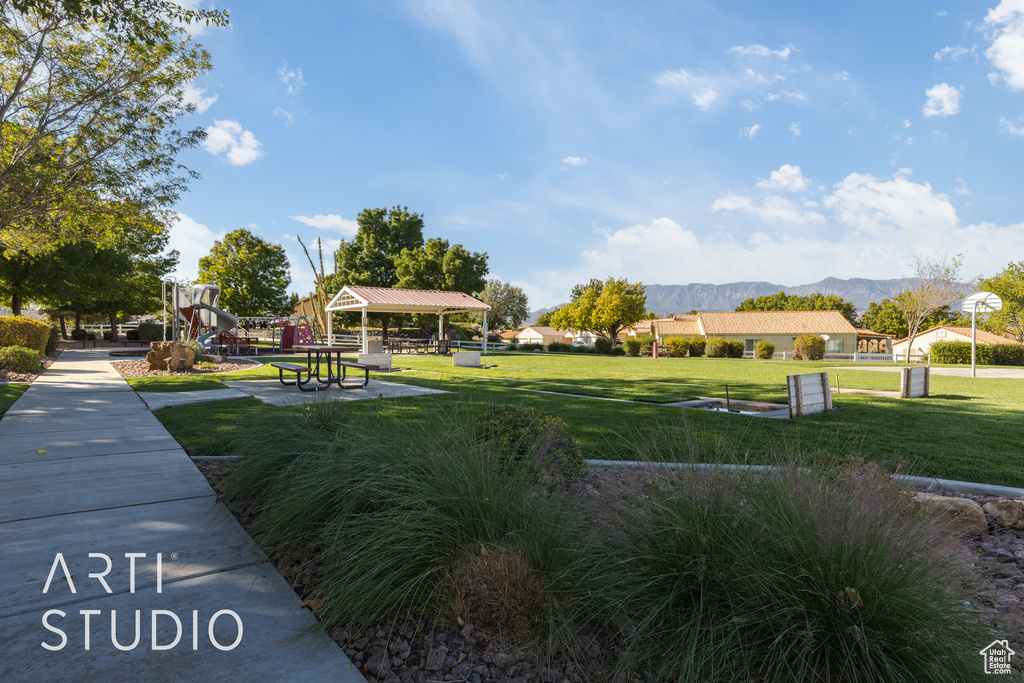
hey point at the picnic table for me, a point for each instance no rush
(417, 345)
(312, 372)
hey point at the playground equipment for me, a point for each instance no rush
(302, 331)
(197, 315)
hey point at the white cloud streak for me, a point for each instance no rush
(192, 240)
(786, 178)
(195, 95)
(761, 51)
(237, 145)
(292, 79)
(750, 132)
(574, 161)
(331, 221)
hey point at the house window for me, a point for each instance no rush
(835, 346)
(940, 333)
(748, 346)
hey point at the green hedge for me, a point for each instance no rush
(959, 353)
(716, 347)
(53, 341)
(603, 345)
(20, 359)
(632, 346)
(697, 345)
(677, 347)
(809, 347)
(17, 330)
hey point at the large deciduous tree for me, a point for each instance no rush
(509, 304)
(934, 284)
(886, 318)
(87, 121)
(440, 267)
(370, 258)
(607, 309)
(252, 274)
(1009, 285)
(796, 302)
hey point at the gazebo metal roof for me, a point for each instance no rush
(387, 300)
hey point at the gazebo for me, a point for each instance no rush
(387, 300)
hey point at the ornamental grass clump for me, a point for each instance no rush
(791, 576)
(527, 439)
(392, 518)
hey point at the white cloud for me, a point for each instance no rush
(192, 240)
(878, 206)
(773, 209)
(239, 146)
(761, 51)
(331, 221)
(195, 95)
(705, 98)
(1006, 23)
(795, 129)
(1010, 128)
(303, 278)
(942, 13)
(574, 161)
(906, 123)
(750, 132)
(840, 76)
(284, 115)
(786, 178)
(953, 54)
(701, 88)
(943, 100)
(292, 79)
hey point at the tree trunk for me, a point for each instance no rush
(78, 321)
(16, 298)
(113, 325)
(63, 327)
(384, 320)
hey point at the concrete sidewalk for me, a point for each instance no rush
(85, 469)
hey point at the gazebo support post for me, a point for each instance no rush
(440, 330)
(364, 330)
(485, 333)
(330, 328)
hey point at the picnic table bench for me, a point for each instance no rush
(311, 373)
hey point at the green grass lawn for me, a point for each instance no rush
(9, 393)
(970, 428)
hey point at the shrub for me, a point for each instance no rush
(737, 349)
(603, 345)
(809, 346)
(392, 518)
(20, 359)
(764, 350)
(78, 334)
(632, 345)
(151, 331)
(697, 345)
(953, 352)
(107, 336)
(530, 346)
(512, 347)
(53, 341)
(197, 349)
(792, 576)
(716, 347)
(677, 347)
(1008, 354)
(560, 347)
(618, 351)
(18, 330)
(90, 336)
(527, 438)
(131, 335)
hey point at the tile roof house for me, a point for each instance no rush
(781, 328)
(923, 340)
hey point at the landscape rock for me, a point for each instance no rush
(1009, 514)
(959, 514)
(170, 356)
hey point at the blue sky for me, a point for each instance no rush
(664, 142)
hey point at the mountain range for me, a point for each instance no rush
(668, 299)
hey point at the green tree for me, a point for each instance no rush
(886, 318)
(607, 309)
(252, 274)
(87, 125)
(934, 284)
(1009, 285)
(544, 319)
(508, 304)
(136, 20)
(440, 267)
(795, 302)
(370, 258)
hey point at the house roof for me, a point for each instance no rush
(389, 300)
(544, 331)
(682, 325)
(983, 336)
(775, 322)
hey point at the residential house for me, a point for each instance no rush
(542, 334)
(923, 341)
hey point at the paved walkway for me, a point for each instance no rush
(86, 468)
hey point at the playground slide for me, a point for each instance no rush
(225, 323)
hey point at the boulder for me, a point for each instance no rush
(170, 356)
(959, 514)
(1008, 514)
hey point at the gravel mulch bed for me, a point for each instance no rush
(396, 649)
(140, 368)
(25, 377)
